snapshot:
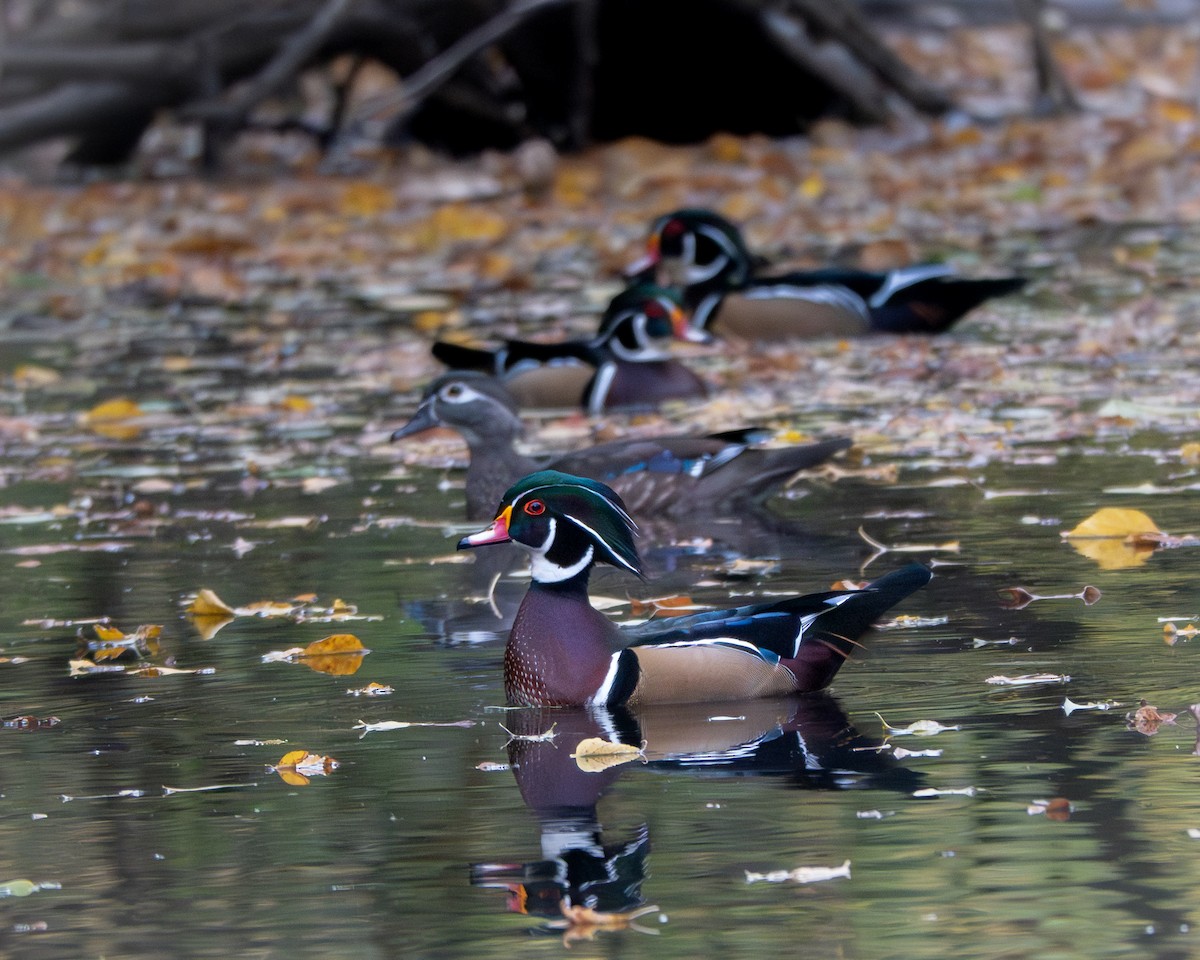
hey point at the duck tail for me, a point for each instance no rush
(936, 304)
(828, 638)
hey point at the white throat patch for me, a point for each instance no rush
(545, 571)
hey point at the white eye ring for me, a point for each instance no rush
(458, 392)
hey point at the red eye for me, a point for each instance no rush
(535, 508)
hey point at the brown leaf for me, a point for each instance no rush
(1146, 719)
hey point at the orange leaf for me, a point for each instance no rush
(337, 643)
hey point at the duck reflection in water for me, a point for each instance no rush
(805, 741)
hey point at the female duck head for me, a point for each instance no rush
(566, 522)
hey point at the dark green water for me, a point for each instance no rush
(406, 848)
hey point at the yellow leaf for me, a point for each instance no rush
(108, 633)
(812, 187)
(361, 199)
(1114, 522)
(594, 754)
(1189, 453)
(208, 604)
(293, 403)
(457, 221)
(118, 409)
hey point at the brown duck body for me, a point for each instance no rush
(746, 317)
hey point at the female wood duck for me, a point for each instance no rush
(704, 255)
(666, 476)
(563, 652)
(625, 365)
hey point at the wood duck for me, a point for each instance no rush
(704, 256)
(563, 652)
(663, 476)
(625, 365)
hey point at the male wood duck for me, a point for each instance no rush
(625, 365)
(703, 255)
(663, 476)
(563, 652)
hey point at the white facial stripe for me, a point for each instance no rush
(617, 558)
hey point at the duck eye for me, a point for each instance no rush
(535, 508)
(453, 391)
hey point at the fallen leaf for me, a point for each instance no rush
(1119, 522)
(800, 874)
(1069, 706)
(339, 655)
(593, 754)
(208, 604)
(1059, 808)
(1147, 719)
(372, 689)
(297, 766)
(918, 728)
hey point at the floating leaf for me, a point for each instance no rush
(1147, 719)
(1059, 808)
(593, 754)
(546, 736)
(918, 728)
(1109, 522)
(372, 689)
(208, 604)
(23, 888)
(1018, 598)
(1069, 706)
(119, 409)
(800, 874)
(405, 724)
(1028, 679)
(340, 654)
(949, 792)
(297, 766)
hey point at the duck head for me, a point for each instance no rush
(566, 523)
(696, 250)
(478, 406)
(640, 323)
